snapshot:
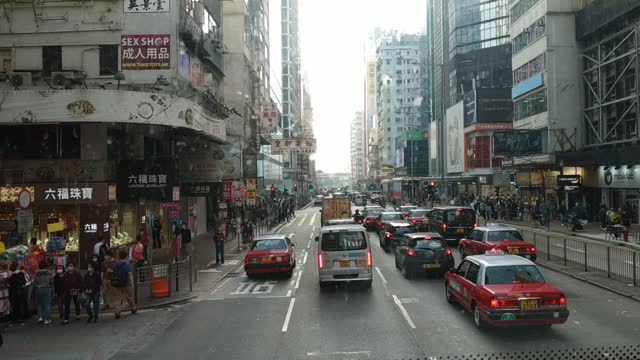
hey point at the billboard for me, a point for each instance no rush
(293, 146)
(455, 138)
(488, 105)
(521, 142)
(145, 52)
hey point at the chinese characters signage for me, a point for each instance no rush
(269, 114)
(146, 6)
(293, 146)
(227, 190)
(145, 52)
(200, 189)
(148, 181)
(88, 193)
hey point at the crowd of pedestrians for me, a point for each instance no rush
(107, 283)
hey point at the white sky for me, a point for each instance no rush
(333, 34)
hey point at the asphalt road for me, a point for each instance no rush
(280, 318)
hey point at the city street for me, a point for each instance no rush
(280, 318)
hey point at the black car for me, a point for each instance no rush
(423, 252)
(452, 222)
(394, 231)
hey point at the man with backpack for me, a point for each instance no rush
(122, 282)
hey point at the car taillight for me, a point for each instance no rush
(359, 221)
(475, 225)
(563, 300)
(247, 260)
(411, 253)
(369, 259)
(444, 226)
(413, 221)
(368, 221)
(447, 252)
(532, 249)
(507, 303)
(320, 261)
(494, 303)
(387, 235)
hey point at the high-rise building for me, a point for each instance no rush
(546, 91)
(291, 70)
(357, 147)
(400, 91)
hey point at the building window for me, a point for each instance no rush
(108, 59)
(51, 59)
(521, 8)
(529, 70)
(529, 35)
(530, 105)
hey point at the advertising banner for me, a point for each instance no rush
(519, 142)
(269, 115)
(293, 146)
(455, 138)
(620, 177)
(68, 193)
(145, 52)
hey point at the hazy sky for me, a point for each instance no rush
(333, 34)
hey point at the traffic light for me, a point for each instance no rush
(517, 188)
(311, 188)
(295, 187)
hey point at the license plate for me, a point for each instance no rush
(345, 264)
(460, 230)
(431, 266)
(513, 250)
(265, 260)
(529, 304)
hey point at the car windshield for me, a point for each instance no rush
(373, 212)
(460, 215)
(343, 241)
(432, 244)
(397, 216)
(418, 213)
(406, 208)
(504, 235)
(513, 274)
(269, 244)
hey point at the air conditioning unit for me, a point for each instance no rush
(60, 79)
(21, 79)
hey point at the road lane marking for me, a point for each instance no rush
(302, 220)
(287, 318)
(404, 312)
(220, 285)
(305, 258)
(381, 276)
(310, 236)
(348, 354)
(309, 244)
(313, 229)
(298, 280)
(313, 219)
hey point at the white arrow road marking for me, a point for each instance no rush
(287, 318)
(404, 312)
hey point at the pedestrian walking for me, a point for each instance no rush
(72, 287)
(176, 244)
(58, 290)
(99, 251)
(603, 215)
(17, 282)
(122, 282)
(626, 216)
(545, 208)
(156, 230)
(92, 285)
(219, 243)
(185, 233)
(107, 270)
(43, 283)
(144, 239)
(137, 254)
(563, 213)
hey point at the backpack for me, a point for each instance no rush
(102, 252)
(119, 275)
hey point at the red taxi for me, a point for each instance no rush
(504, 238)
(419, 218)
(385, 217)
(270, 254)
(370, 214)
(505, 290)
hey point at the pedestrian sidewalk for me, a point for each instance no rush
(596, 278)
(591, 231)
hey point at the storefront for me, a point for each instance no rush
(537, 186)
(614, 186)
(202, 199)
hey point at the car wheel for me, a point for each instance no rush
(477, 319)
(289, 273)
(251, 276)
(447, 293)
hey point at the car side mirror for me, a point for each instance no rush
(317, 238)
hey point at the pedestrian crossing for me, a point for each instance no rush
(301, 223)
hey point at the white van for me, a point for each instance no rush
(344, 254)
(360, 200)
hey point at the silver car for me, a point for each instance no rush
(344, 255)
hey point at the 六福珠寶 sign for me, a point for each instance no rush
(64, 193)
(147, 180)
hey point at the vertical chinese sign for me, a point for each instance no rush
(269, 114)
(145, 52)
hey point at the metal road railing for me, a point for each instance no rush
(177, 275)
(615, 260)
